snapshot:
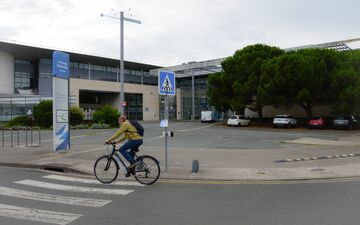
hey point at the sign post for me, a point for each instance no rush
(166, 87)
(60, 71)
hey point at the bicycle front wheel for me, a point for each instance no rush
(147, 170)
(106, 169)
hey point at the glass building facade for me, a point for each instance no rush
(200, 100)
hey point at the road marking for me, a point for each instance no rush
(74, 188)
(318, 157)
(197, 128)
(37, 215)
(17, 193)
(89, 181)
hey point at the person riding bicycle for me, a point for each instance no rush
(134, 140)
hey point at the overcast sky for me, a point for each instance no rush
(177, 31)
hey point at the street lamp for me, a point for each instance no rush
(122, 19)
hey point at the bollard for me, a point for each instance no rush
(195, 166)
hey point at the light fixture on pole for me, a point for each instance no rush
(122, 18)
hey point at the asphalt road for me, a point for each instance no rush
(177, 202)
(198, 135)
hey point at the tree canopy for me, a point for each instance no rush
(260, 75)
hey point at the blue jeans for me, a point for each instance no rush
(130, 144)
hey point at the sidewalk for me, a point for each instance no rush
(214, 164)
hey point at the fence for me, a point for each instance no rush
(20, 131)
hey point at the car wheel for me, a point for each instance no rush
(289, 125)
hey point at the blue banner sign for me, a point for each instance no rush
(60, 65)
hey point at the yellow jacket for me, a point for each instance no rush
(129, 132)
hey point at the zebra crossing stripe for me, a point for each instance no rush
(89, 181)
(37, 215)
(17, 193)
(61, 187)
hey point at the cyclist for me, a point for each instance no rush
(129, 133)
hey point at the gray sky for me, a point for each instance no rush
(172, 31)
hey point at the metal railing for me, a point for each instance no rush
(18, 130)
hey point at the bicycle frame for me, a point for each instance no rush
(117, 157)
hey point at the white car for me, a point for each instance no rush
(238, 120)
(284, 121)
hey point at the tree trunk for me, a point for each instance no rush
(308, 109)
(260, 113)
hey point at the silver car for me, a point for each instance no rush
(284, 121)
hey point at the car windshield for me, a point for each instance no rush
(233, 117)
(316, 118)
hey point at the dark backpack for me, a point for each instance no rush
(138, 126)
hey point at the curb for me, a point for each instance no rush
(50, 167)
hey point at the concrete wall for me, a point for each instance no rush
(150, 94)
(7, 65)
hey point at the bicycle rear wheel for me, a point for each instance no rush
(106, 169)
(147, 171)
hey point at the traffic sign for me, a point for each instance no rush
(167, 83)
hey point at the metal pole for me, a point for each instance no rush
(166, 117)
(26, 136)
(11, 137)
(31, 133)
(68, 123)
(18, 136)
(3, 137)
(122, 63)
(192, 95)
(39, 137)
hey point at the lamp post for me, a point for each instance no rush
(122, 18)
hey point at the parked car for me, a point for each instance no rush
(284, 121)
(238, 120)
(348, 122)
(317, 122)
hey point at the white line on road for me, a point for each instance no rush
(37, 215)
(17, 193)
(89, 181)
(74, 188)
(197, 128)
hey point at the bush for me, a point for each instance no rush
(79, 127)
(20, 121)
(43, 114)
(107, 115)
(100, 126)
(76, 115)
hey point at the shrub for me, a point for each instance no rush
(107, 115)
(100, 126)
(20, 121)
(80, 127)
(76, 115)
(43, 114)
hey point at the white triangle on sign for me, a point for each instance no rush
(167, 86)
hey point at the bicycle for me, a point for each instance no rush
(146, 170)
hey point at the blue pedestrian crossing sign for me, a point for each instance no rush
(167, 83)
